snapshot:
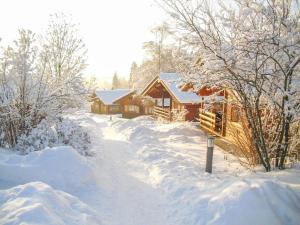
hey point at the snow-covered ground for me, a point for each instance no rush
(144, 172)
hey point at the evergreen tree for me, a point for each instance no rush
(133, 74)
(115, 81)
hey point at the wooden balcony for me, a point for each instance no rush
(161, 112)
(211, 123)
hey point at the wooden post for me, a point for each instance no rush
(163, 99)
(224, 116)
(170, 108)
(209, 154)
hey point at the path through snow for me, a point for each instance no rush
(144, 172)
(153, 173)
(128, 201)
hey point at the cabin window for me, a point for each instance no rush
(114, 108)
(148, 110)
(166, 102)
(235, 114)
(132, 108)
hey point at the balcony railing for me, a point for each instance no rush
(161, 112)
(210, 122)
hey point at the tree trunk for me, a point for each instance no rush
(286, 143)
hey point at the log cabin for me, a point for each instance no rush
(105, 101)
(134, 105)
(220, 114)
(226, 119)
(172, 102)
(121, 101)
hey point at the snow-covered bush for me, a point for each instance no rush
(44, 135)
(179, 115)
(50, 134)
(35, 83)
(69, 133)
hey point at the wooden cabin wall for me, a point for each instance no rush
(113, 109)
(131, 111)
(96, 107)
(235, 123)
(130, 108)
(103, 109)
(176, 105)
(147, 109)
(100, 108)
(193, 112)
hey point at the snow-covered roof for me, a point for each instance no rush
(210, 98)
(172, 81)
(109, 97)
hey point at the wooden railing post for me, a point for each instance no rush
(161, 112)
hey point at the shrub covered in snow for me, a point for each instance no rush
(69, 133)
(50, 134)
(44, 135)
(179, 115)
(31, 86)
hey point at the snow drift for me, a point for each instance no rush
(254, 201)
(143, 172)
(236, 201)
(173, 156)
(39, 203)
(61, 167)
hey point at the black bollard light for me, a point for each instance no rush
(209, 154)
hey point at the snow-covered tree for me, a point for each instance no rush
(17, 88)
(253, 48)
(115, 81)
(133, 74)
(156, 48)
(161, 56)
(64, 58)
(38, 82)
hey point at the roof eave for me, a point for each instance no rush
(131, 92)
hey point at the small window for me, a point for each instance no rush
(132, 108)
(235, 114)
(148, 110)
(114, 108)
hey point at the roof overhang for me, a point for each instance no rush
(153, 84)
(157, 81)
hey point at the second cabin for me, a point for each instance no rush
(120, 101)
(172, 102)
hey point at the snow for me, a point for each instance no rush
(39, 203)
(172, 80)
(61, 167)
(144, 172)
(109, 97)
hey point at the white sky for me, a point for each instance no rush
(113, 30)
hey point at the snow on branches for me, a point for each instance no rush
(250, 47)
(39, 79)
(55, 133)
